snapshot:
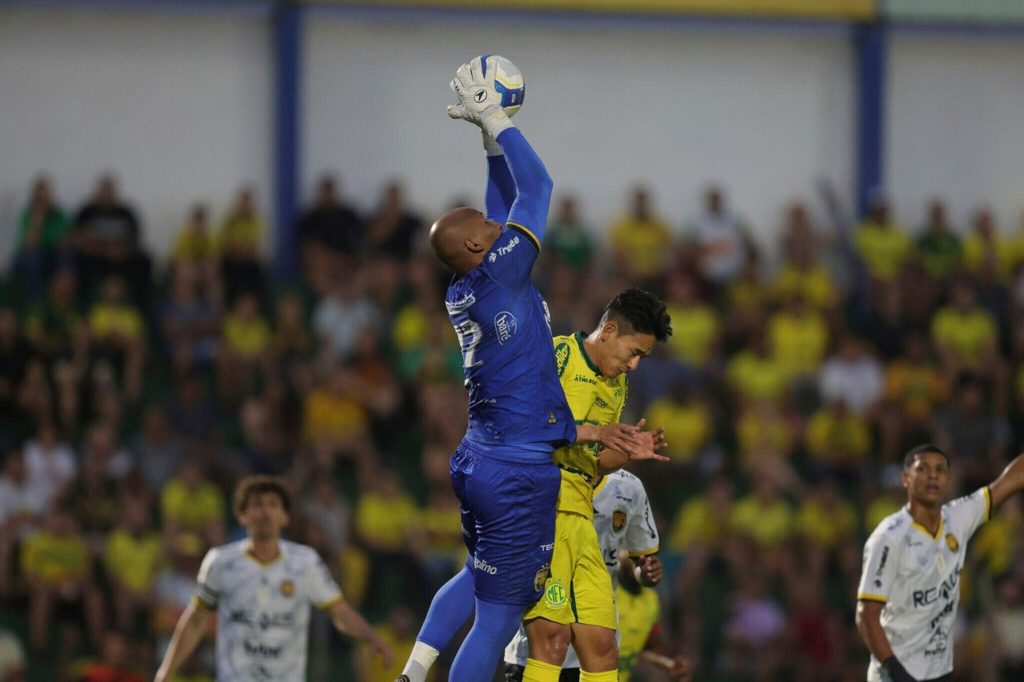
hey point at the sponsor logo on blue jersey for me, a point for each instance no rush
(504, 326)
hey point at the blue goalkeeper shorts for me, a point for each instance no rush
(508, 523)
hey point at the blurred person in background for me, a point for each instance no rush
(191, 503)
(640, 242)
(392, 232)
(699, 324)
(915, 389)
(15, 352)
(119, 333)
(244, 350)
(189, 319)
(21, 509)
(938, 247)
(798, 337)
(114, 663)
(986, 250)
(41, 240)
(133, 554)
(722, 239)
(802, 271)
(967, 340)
(839, 442)
(570, 246)
(106, 238)
(263, 578)
(854, 376)
(330, 234)
(881, 242)
(50, 461)
(343, 312)
(51, 322)
(971, 432)
(156, 449)
(239, 241)
(57, 568)
(195, 248)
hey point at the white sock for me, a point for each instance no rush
(420, 660)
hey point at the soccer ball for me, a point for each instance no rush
(508, 82)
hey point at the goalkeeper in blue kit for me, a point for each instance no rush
(502, 470)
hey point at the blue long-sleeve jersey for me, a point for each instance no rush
(517, 409)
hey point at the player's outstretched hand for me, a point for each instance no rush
(679, 668)
(620, 437)
(478, 99)
(651, 570)
(647, 444)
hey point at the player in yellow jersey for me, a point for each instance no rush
(578, 604)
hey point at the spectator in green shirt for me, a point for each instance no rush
(938, 249)
(42, 228)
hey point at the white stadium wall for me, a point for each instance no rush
(178, 105)
(764, 111)
(955, 125)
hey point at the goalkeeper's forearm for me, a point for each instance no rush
(533, 184)
(501, 188)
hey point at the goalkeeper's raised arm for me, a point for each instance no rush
(530, 182)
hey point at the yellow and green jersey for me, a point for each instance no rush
(638, 614)
(594, 400)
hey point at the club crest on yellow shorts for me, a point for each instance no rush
(555, 593)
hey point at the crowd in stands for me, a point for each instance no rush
(135, 391)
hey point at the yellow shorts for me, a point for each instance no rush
(579, 589)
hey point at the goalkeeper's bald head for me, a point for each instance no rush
(462, 237)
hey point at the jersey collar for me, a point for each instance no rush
(586, 357)
(917, 526)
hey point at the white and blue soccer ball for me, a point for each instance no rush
(508, 82)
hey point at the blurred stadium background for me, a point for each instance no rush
(213, 219)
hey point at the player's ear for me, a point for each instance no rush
(609, 330)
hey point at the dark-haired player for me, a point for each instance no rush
(910, 581)
(261, 589)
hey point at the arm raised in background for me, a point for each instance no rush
(1010, 482)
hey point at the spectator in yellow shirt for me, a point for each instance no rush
(196, 247)
(938, 248)
(754, 374)
(698, 322)
(838, 441)
(190, 502)
(245, 345)
(238, 242)
(967, 339)
(798, 337)
(702, 530)
(56, 566)
(688, 422)
(882, 243)
(385, 517)
(914, 388)
(828, 525)
(765, 520)
(334, 413)
(640, 242)
(803, 274)
(764, 427)
(985, 250)
(117, 327)
(132, 557)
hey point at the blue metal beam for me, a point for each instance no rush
(870, 41)
(287, 41)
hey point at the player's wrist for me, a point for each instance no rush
(491, 148)
(494, 121)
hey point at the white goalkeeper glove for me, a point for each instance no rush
(478, 99)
